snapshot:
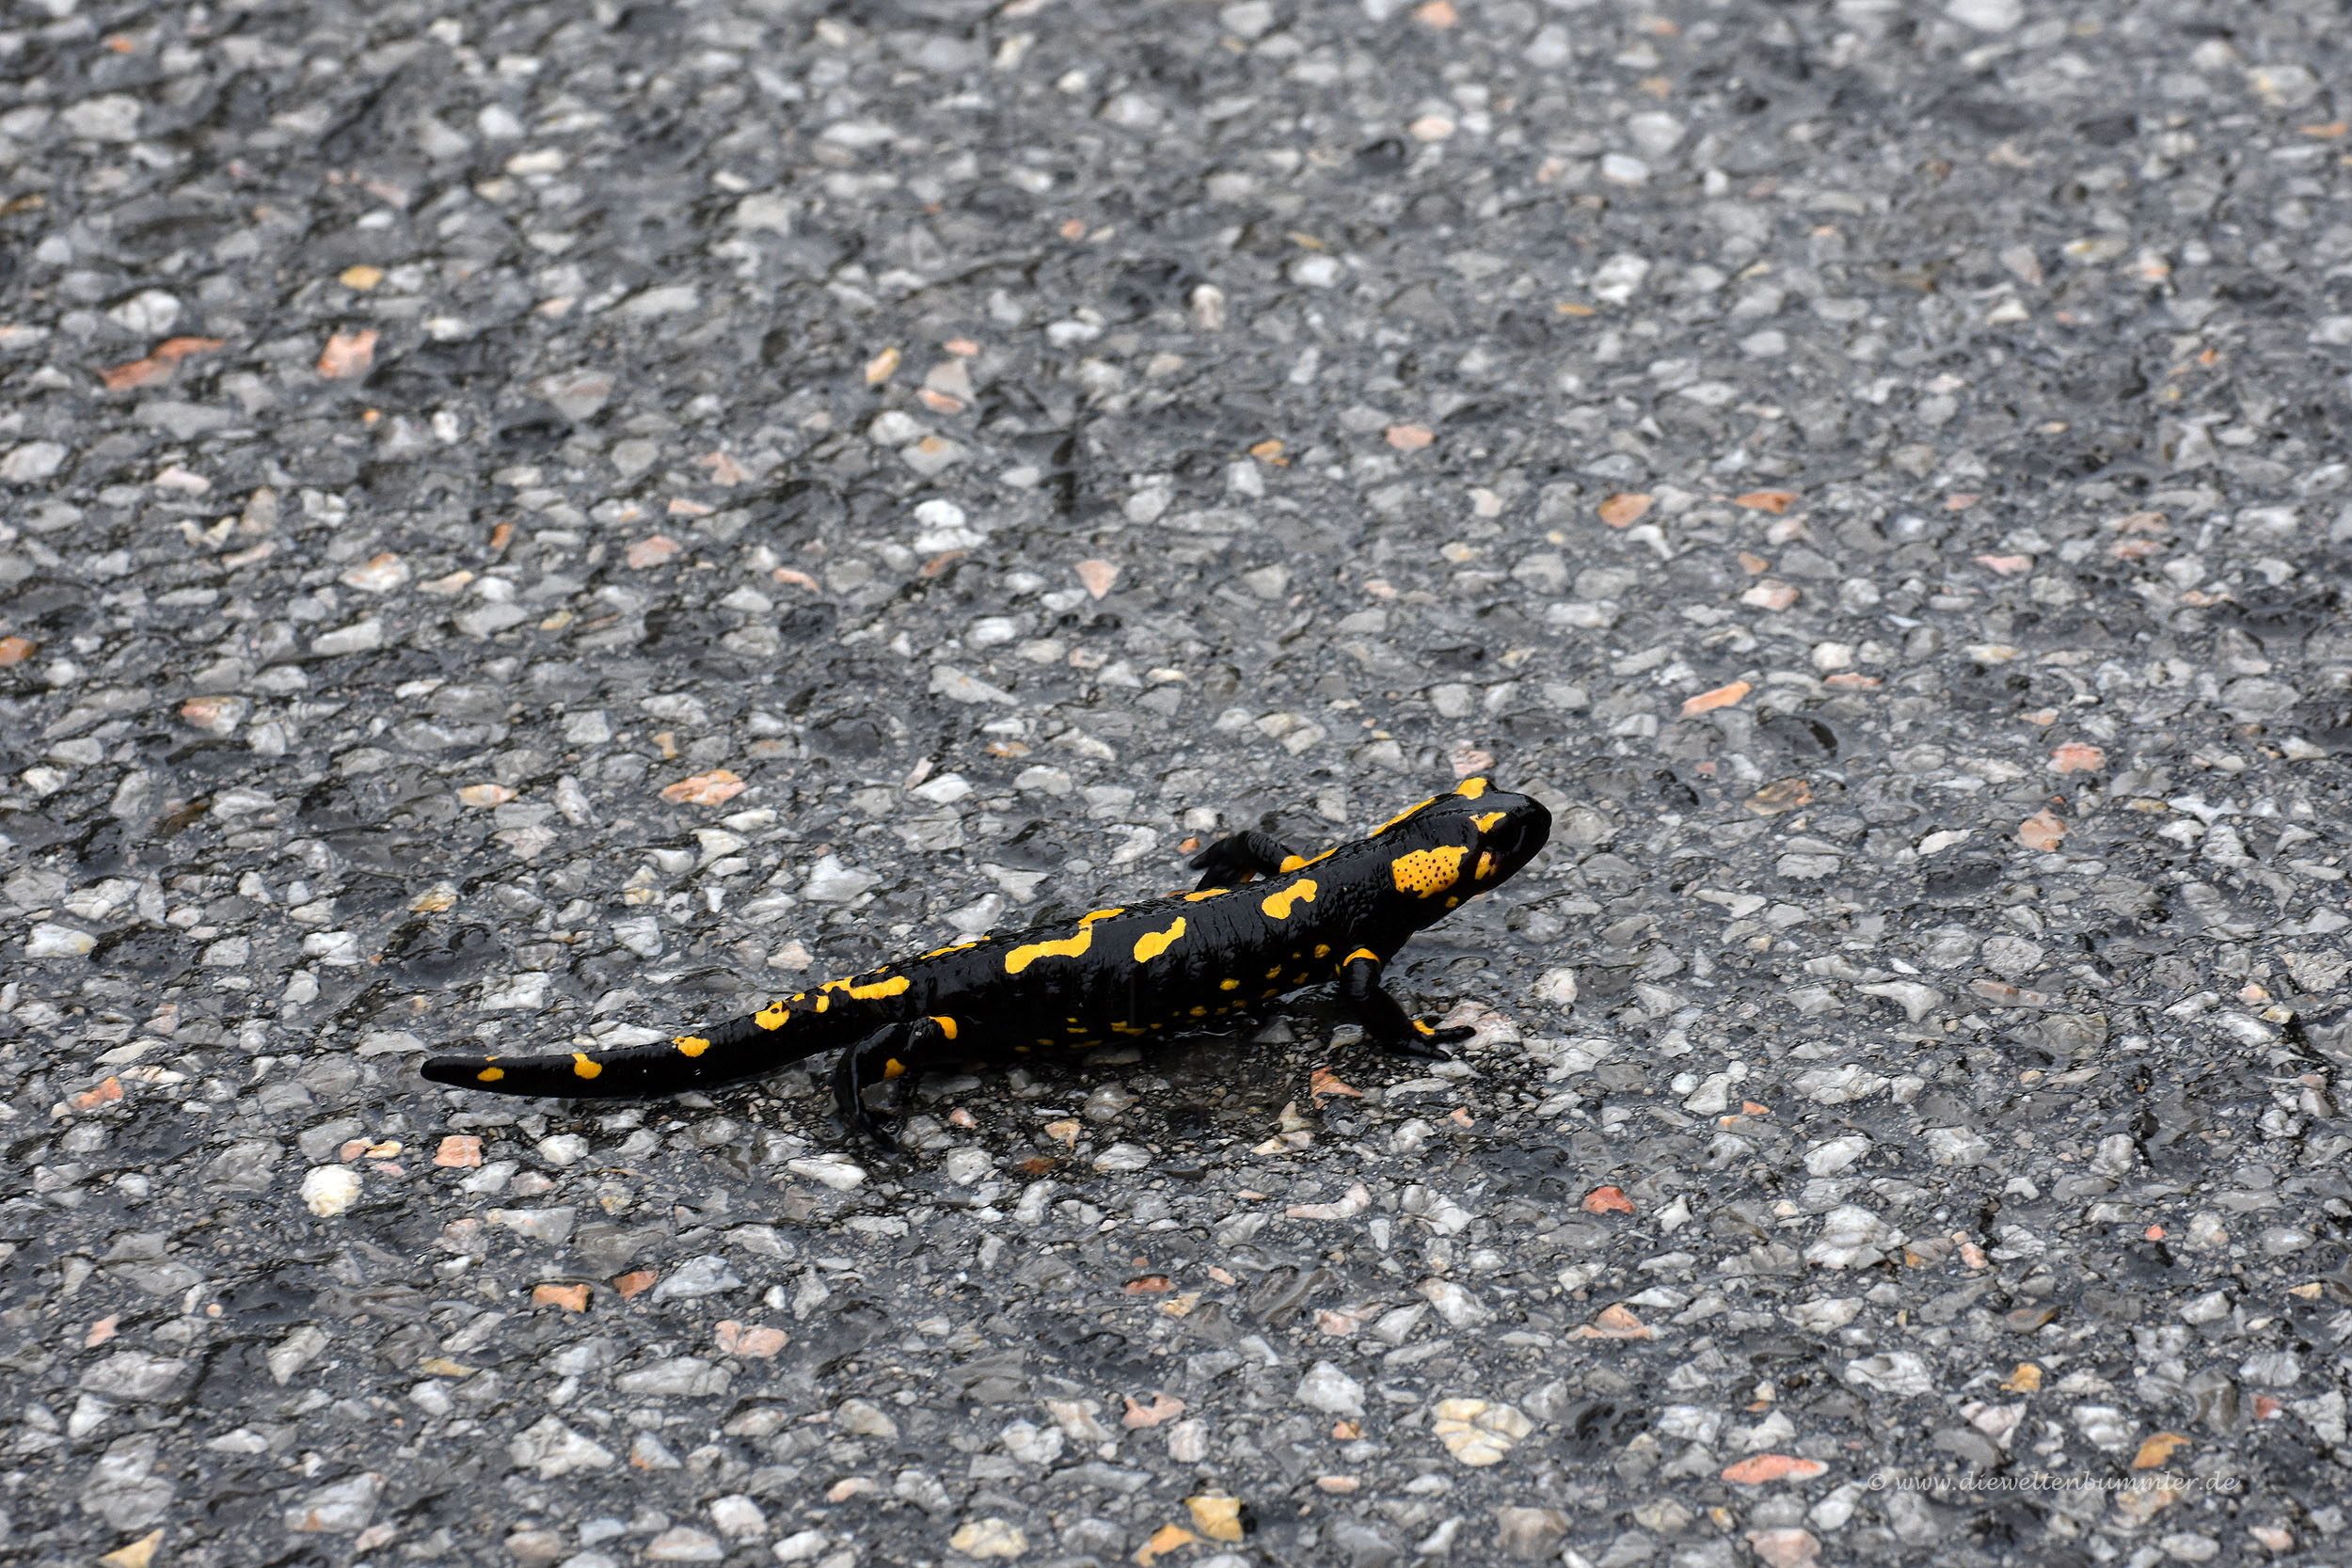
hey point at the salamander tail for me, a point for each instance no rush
(742, 1049)
(581, 1075)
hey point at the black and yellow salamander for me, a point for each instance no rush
(1263, 921)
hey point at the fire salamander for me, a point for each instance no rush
(1263, 922)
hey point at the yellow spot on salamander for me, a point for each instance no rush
(1361, 953)
(1200, 1012)
(942, 952)
(1228, 985)
(1073, 946)
(1291, 862)
(1206, 892)
(1400, 816)
(947, 1027)
(691, 1045)
(1279, 904)
(583, 1068)
(1470, 790)
(1274, 971)
(1153, 944)
(1323, 950)
(1425, 872)
(1423, 1027)
(1485, 865)
(894, 1069)
(490, 1075)
(772, 1016)
(1487, 824)
(823, 1002)
(1131, 1028)
(872, 990)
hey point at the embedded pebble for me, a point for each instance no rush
(329, 1190)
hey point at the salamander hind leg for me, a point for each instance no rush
(1240, 857)
(1385, 1021)
(895, 1051)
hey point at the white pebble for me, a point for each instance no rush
(837, 1174)
(329, 1190)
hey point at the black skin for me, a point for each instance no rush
(1263, 921)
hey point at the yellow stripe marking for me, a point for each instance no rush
(947, 1027)
(1068, 947)
(1279, 904)
(1487, 824)
(1206, 892)
(1073, 946)
(693, 1045)
(1425, 872)
(872, 990)
(1153, 944)
(1291, 863)
(583, 1067)
(1470, 790)
(1361, 953)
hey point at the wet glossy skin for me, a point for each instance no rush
(1264, 922)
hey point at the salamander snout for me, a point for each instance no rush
(1513, 829)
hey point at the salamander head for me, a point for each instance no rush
(1463, 843)
(1512, 828)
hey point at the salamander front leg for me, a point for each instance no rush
(1239, 858)
(895, 1051)
(1387, 1023)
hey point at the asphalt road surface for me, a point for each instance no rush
(544, 524)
